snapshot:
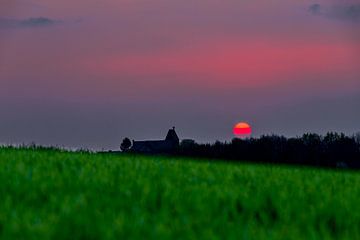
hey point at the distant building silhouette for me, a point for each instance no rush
(169, 145)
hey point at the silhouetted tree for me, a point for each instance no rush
(125, 145)
(357, 138)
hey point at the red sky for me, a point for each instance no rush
(108, 69)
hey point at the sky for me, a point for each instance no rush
(87, 73)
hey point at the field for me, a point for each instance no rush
(47, 194)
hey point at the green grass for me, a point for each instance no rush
(58, 195)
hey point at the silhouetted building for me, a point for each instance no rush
(169, 145)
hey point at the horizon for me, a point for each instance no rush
(86, 74)
(354, 136)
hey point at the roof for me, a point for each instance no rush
(172, 136)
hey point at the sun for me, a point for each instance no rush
(242, 129)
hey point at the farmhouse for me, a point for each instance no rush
(168, 145)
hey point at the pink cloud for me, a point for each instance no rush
(243, 63)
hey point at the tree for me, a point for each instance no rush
(125, 145)
(357, 138)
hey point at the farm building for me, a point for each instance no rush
(168, 145)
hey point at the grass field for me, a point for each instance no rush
(60, 195)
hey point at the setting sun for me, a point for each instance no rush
(242, 129)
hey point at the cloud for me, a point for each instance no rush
(349, 12)
(27, 23)
(315, 9)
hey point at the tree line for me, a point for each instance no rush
(331, 150)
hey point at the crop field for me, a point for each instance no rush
(50, 194)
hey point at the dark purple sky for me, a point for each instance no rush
(87, 73)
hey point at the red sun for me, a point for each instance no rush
(242, 129)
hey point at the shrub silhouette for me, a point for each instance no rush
(125, 145)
